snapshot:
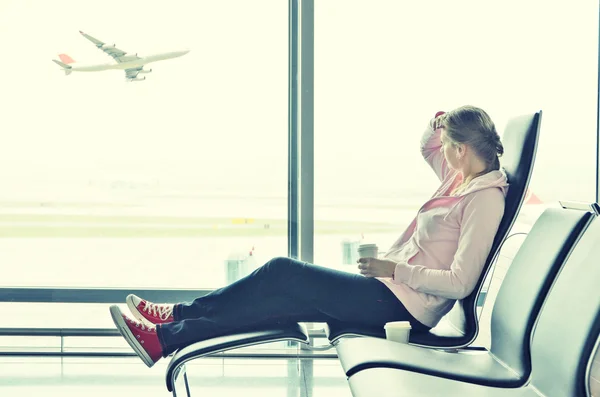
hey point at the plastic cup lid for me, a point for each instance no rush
(398, 324)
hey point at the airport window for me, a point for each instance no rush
(379, 84)
(112, 181)
(175, 175)
(169, 149)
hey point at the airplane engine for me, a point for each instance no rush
(138, 79)
(145, 71)
(109, 46)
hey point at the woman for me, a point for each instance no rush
(437, 260)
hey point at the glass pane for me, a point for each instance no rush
(383, 70)
(178, 181)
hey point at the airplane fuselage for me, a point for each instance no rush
(135, 63)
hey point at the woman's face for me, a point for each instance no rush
(451, 152)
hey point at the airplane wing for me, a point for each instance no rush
(117, 54)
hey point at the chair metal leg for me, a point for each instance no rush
(187, 385)
(311, 345)
(177, 381)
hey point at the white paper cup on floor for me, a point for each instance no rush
(367, 251)
(398, 331)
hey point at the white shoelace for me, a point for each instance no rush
(138, 324)
(161, 311)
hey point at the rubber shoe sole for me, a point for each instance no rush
(124, 330)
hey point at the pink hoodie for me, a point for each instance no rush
(441, 254)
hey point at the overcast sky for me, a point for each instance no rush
(218, 115)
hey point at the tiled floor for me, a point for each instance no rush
(128, 376)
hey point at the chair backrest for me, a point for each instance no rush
(534, 268)
(520, 141)
(567, 330)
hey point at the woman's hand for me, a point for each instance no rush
(373, 267)
(436, 121)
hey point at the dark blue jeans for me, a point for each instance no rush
(284, 290)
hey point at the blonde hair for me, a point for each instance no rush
(472, 126)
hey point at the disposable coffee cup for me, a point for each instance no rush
(367, 251)
(398, 331)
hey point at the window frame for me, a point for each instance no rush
(300, 176)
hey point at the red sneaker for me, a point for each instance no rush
(142, 339)
(148, 312)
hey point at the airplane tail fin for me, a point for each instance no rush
(66, 68)
(64, 58)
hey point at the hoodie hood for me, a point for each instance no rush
(492, 179)
(495, 178)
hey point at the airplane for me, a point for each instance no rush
(131, 64)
